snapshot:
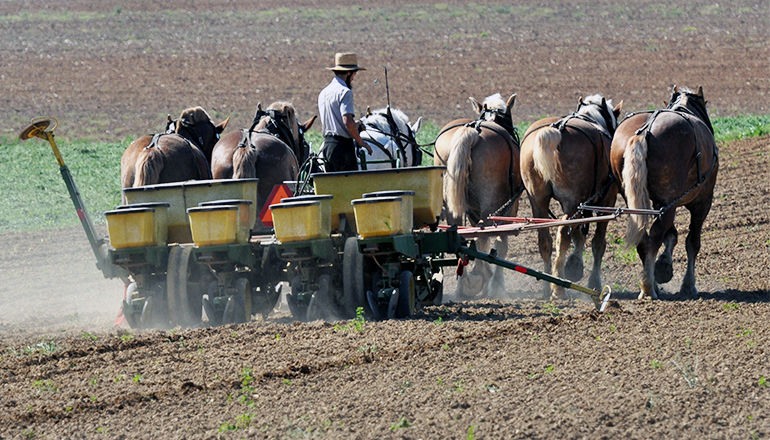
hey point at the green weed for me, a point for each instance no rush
(356, 324)
(43, 347)
(45, 386)
(90, 336)
(551, 309)
(471, 433)
(402, 423)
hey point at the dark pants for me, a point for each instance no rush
(340, 154)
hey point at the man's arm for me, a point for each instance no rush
(350, 124)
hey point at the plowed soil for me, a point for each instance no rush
(511, 367)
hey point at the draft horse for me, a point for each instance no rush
(271, 149)
(667, 158)
(482, 178)
(182, 153)
(392, 139)
(568, 159)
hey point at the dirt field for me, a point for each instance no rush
(680, 367)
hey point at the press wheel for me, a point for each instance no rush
(354, 288)
(320, 304)
(238, 307)
(406, 295)
(184, 296)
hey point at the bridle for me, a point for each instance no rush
(397, 136)
(194, 135)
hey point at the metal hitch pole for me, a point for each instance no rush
(43, 128)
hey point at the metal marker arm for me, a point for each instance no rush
(102, 262)
(473, 253)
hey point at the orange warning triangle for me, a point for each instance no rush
(279, 192)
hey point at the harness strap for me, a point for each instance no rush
(203, 173)
(379, 145)
(561, 125)
(685, 113)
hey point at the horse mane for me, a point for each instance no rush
(593, 112)
(494, 102)
(379, 120)
(697, 106)
(193, 116)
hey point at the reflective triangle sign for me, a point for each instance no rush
(279, 192)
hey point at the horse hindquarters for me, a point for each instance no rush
(458, 171)
(635, 185)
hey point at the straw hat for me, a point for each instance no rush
(345, 62)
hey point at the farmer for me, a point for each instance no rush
(335, 105)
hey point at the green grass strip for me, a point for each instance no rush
(34, 196)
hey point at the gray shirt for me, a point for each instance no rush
(333, 102)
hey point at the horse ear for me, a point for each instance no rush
(368, 111)
(700, 91)
(476, 106)
(309, 123)
(259, 106)
(604, 103)
(169, 119)
(416, 126)
(222, 125)
(509, 104)
(618, 109)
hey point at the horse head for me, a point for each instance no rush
(394, 126)
(195, 125)
(600, 110)
(691, 102)
(280, 119)
(497, 110)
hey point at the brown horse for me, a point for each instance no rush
(568, 159)
(182, 153)
(272, 149)
(667, 158)
(482, 178)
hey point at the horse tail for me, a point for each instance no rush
(148, 167)
(458, 170)
(546, 153)
(244, 163)
(635, 184)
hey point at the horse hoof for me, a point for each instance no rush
(573, 269)
(469, 287)
(644, 295)
(664, 269)
(558, 294)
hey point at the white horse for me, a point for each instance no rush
(394, 144)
